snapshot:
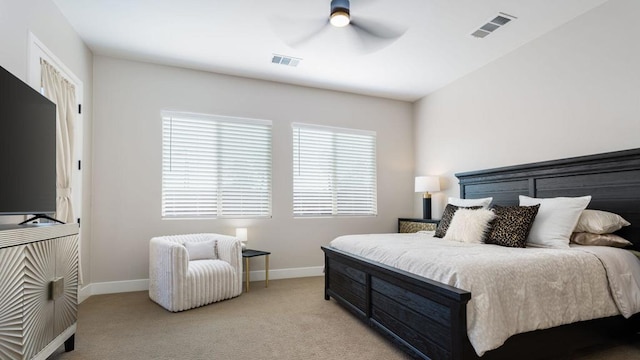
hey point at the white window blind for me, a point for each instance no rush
(334, 171)
(215, 166)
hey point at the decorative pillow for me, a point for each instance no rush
(469, 225)
(600, 222)
(584, 238)
(555, 221)
(512, 225)
(201, 250)
(484, 202)
(447, 215)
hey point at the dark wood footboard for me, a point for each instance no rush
(428, 320)
(424, 317)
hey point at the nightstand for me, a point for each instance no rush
(406, 225)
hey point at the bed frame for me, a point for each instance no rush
(427, 319)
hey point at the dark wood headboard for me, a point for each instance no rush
(612, 179)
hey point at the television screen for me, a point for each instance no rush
(27, 149)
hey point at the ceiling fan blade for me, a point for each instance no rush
(374, 35)
(296, 32)
(303, 38)
(377, 29)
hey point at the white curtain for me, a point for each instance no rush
(63, 94)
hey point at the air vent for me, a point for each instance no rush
(494, 24)
(285, 60)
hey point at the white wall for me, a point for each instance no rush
(44, 20)
(127, 156)
(574, 91)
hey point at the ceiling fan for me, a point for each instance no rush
(373, 34)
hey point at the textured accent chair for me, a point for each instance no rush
(188, 271)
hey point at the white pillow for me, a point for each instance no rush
(201, 250)
(600, 222)
(469, 225)
(555, 221)
(484, 202)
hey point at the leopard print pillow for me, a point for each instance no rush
(447, 216)
(512, 225)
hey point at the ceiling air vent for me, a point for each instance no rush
(285, 60)
(497, 22)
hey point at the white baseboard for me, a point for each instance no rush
(84, 293)
(112, 287)
(290, 273)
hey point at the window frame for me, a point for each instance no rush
(335, 185)
(220, 121)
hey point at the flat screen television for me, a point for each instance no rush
(27, 149)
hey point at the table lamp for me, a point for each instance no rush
(426, 185)
(241, 234)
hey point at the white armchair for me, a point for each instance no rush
(178, 283)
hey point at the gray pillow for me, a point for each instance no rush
(201, 250)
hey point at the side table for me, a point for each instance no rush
(249, 253)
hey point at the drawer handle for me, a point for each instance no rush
(56, 288)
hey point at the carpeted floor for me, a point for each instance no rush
(288, 320)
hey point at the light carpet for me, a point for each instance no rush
(288, 320)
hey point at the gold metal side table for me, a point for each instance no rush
(249, 253)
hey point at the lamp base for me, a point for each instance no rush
(426, 208)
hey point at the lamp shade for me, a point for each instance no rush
(241, 233)
(427, 184)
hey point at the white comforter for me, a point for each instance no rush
(513, 290)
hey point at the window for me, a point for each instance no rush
(215, 166)
(334, 171)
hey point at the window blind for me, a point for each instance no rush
(215, 166)
(334, 171)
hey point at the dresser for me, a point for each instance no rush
(38, 289)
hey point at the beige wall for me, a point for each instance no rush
(574, 91)
(127, 155)
(44, 20)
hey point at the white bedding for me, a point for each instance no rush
(513, 290)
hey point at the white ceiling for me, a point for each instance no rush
(239, 37)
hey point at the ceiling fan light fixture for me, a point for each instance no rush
(339, 13)
(340, 18)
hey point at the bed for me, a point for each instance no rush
(428, 319)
